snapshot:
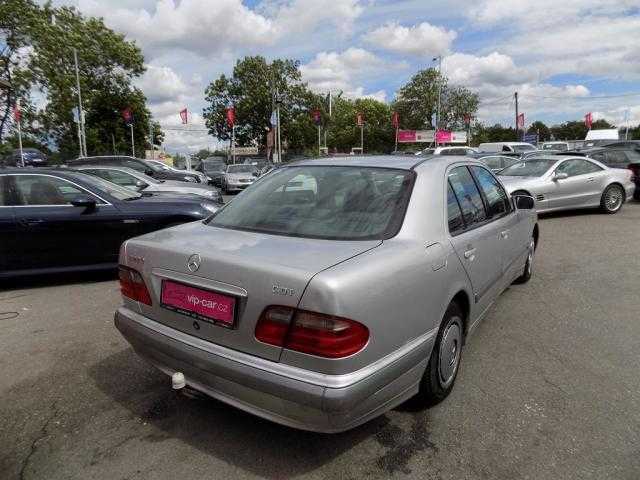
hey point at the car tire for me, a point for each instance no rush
(612, 199)
(528, 266)
(444, 362)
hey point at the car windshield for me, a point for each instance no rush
(241, 168)
(528, 168)
(116, 191)
(340, 203)
(213, 166)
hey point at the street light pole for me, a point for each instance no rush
(439, 58)
(83, 140)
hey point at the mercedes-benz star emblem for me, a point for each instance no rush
(193, 263)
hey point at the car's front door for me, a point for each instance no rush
(583, 185)
(513, 239)
(54, 233)
(476, 239)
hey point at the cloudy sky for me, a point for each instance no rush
(565, 58)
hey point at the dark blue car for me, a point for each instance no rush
(57, 220)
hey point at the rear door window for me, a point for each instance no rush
(577, 167)
(454, 214)
(468, 196)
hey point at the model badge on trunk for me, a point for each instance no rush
(278, 290)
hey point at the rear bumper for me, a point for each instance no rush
(280, 393)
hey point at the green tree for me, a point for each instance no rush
(108, 65)
(539, 128)
(416, 102)
(251, 90)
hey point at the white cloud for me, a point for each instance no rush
(303, 16)
(161, 84)
(494, 69)
(543, 13)
(420, 40)
(340, 71)
(193, 25)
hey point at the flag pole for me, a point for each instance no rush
(20, 137)
(133, 145)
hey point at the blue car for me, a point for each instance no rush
(53, 220)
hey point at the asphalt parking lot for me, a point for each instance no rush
(549, 387)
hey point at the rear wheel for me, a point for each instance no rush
(612, 199)
(442, 369)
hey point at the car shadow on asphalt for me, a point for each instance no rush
(231, 435)
(56, 279)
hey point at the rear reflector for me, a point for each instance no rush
(132, 285)
(309, 332)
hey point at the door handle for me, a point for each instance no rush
(504, 234)
(470, 254)
(30, 222)
(590, 179)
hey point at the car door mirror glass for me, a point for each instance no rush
(83, 201)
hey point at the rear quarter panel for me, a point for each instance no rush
(399, 290)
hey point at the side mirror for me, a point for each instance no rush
(140, 185)
(149, 172)
(524, 202)
(84, 201)
(560, 176)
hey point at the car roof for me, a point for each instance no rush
(404, 162)
(105, 167)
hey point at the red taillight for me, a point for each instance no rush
(313, 333)
(132, 285)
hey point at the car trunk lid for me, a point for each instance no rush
(253, 270)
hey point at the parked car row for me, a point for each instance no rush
(64, 220)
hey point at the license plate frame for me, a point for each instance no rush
(230, 322)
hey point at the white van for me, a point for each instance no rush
(517, 147)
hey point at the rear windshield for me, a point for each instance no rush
(528, 168)
(340, 203)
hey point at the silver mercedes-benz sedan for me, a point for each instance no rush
(331, 290)
(238, 177)
(569, 182)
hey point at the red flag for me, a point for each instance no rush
(521, 121)
(360, 119)
(316, 116)
(395, 120)
(17, 112)
(467, 119)
(231, 116)
(588, 120)
(127, 114)
(184, 115)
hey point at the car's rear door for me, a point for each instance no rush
(56, 234)
(476, 239)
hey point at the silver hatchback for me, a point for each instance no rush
(331, 290)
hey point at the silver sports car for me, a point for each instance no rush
(331, 290)
(130, 178)
(568, 182)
